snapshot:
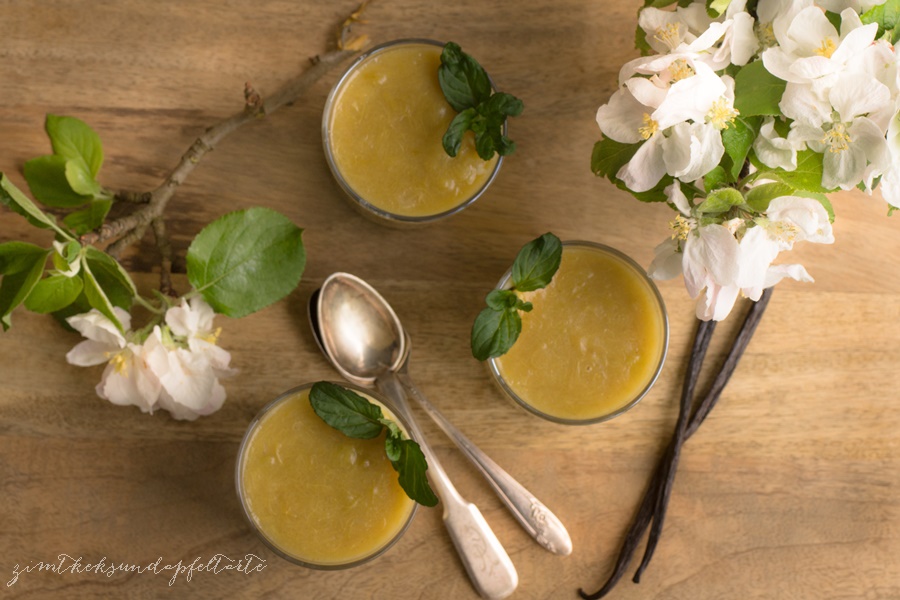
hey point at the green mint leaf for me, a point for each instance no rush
(720, 200)
(536, 263)
(46, 177)
(90, 218)
(53, 293)
(246, 260)
(464, 82)
(757, 92)
(115, 282)
(346, 411)
(96, 296)
(411, 467)
(72, 138)
(501, 299)
(356, 417)
(524, 306)
(23, 267)
(467, 89)
(738, 139)
(19, 203)
(494, 332)
(656, 194)
(460, 124)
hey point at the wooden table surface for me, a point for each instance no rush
(790, 490)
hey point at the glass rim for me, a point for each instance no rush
(630, 262)
(348, 190)
(238, 480)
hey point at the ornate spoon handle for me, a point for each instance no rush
(531, 513)
(489, 567)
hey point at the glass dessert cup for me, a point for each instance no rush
(382, 128)
(314, 496)
(594, 343)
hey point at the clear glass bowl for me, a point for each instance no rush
(496, 371)
(358, 198)
(260, 531)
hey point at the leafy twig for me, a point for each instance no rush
(131, 228)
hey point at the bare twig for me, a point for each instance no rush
(131, 228)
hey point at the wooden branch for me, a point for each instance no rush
(131, 228)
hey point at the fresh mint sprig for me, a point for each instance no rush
(498, 326)
(467, 88)
(356, 417)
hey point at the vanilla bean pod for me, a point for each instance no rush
(656, 498)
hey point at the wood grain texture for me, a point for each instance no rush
(790, 490)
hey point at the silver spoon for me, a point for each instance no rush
(360, 335)
(534, 517)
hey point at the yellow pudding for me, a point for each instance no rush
(593, 343)
(316, 496)
(383, 126)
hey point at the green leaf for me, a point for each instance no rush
(356, 417)
(80, 178)
(460, 124)
(656, 194)
(715, 179)
(494, 332)
(346, 411)
(464, 82)
(721, 200)
(501, 299)
(716, 7)
(640, 41)
(609, 156)
(24, 273)
(808, 174)
(16, 257)
(53, 293)
(246, 260)
(738, 139)
(18, 202)
(536, 263)
(90, 218)
(756, 91)
(111, 277)
(96, 296)
(71, 138)
(411, 468)
(46, 177)
(504, 104)
(758, 197)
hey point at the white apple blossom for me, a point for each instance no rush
(776, 151)
(176, 368)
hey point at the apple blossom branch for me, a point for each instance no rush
(132, 227)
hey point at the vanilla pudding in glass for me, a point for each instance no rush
(315, 496)
(593, 344)
(382, 129)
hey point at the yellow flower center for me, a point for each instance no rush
(721, 114)
(765, 33)
(680, 69)
(670, 35)
(650, 127)
(837, 139)
(681, 228)
(827, 48)
(120, 364)
(213, 337)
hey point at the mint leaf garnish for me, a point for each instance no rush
(467, 89)
(356, 417)
(498, 326)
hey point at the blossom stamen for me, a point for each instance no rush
(681, 228)
(827, 48)
(837, 139)
(681, 69)
(670, 35)
(721, 114)
(650, 127)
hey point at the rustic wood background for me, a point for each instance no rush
(790, 490)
